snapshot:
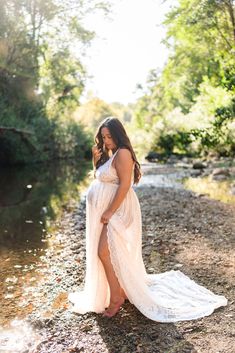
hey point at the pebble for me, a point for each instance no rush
(174, 217)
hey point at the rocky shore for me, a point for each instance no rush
(181, 230)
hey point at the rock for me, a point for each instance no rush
(151, 270)
(213, 155)
(206, 172)
(178, 265)
(219, 177)
(221, 171)
(183, 165)
(182, 230)
(199, 165)
(195, 173)
(152, 156)
(202, 195)
(172, 159)
(186, 160)
(86, 327)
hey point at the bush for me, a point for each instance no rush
(209, 126)
(50, 137)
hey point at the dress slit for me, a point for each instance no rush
(164, 297)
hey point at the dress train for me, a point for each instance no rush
(165, 297)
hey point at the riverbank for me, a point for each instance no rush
(181, 230)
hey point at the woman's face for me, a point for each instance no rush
(107, 139)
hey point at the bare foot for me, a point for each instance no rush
(113, 308)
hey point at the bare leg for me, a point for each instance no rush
(117, 295)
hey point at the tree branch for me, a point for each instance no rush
(23, 134)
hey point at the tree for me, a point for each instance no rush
(41, 75)
(200, 38)
(93, 112)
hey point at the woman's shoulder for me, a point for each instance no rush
(124, 152)
(124, 156)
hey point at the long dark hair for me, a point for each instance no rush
(121, 140)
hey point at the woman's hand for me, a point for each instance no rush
(96, 152)
(106, 217)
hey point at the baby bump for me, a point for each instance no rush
(100, 195)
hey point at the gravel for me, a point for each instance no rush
(181, 230)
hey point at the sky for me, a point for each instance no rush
(126, 48)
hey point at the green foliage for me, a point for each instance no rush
(177, 142)
(221, 135)
(200, 34)
(69, 136)
(62, 77)
(42, 78)
(141, 139)
(189, 106)
(92, 113)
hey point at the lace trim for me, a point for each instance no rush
(154, 311)
(134, 300)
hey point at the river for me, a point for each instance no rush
(32, 198)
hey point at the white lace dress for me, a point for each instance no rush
(165, 297)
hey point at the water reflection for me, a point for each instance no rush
(32, 198)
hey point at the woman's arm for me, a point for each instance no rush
(124, 166)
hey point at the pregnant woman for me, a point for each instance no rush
(114, 265)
